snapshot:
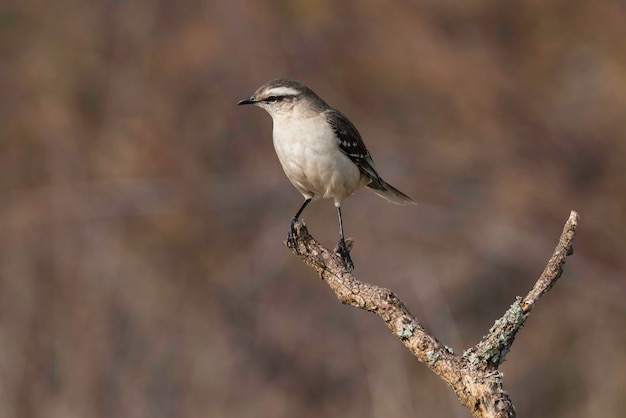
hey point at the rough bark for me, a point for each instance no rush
(473, 375)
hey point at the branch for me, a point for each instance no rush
(473, 376)
(492, 349)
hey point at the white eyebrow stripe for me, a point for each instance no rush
(282, 91)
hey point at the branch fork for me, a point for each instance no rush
(474, 374)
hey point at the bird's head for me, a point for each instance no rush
(284, 97)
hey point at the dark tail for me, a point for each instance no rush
(387, 191)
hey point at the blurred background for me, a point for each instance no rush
(142, 213)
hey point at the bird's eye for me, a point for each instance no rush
(272, 99)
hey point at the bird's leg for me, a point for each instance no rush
(291, 239)
(342, 248)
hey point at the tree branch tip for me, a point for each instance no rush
(570, 226)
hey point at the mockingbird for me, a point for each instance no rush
(321, 151)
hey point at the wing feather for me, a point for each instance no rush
(351, 143)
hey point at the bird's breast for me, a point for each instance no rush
(312, 160)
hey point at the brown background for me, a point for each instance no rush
(142, 212)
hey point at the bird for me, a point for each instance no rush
(321, 152)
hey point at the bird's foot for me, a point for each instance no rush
(291, 237)
(343, 251)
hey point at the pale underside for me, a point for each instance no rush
(310, 156)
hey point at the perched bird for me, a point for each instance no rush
(320, 150)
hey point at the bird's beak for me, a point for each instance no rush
(248, 100)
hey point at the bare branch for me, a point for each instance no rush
(554, 269)
(492, 349)
(473, 376)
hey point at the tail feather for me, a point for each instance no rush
(390, 193)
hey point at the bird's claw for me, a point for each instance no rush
(343, 252)
(291, 237)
